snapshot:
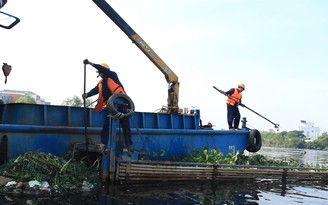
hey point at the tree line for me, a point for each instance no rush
(75, 101)
(294, 139)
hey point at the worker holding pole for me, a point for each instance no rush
(233, 101)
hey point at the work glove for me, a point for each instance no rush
(84, 96)
(86, 61)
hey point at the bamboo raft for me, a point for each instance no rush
(140, 171)
(131, 170)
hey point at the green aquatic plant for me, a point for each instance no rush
(215, 156)
(153, 155)
(212, 156)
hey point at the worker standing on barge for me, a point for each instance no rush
(108, 85)
(233, 101)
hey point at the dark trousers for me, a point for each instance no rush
(4, 150)
(233, 116)
(125, 124)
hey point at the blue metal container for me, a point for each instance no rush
(54, 129)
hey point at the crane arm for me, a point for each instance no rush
(171, 78)
(13, 19)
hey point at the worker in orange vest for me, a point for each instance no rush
(233, 101)
(108, 85)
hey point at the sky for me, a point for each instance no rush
(277, 48)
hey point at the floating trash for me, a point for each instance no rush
(11, 183)
(34, 183)
(47, 173)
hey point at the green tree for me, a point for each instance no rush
(322, 141)
(268, 139)
(75, 101)
(293, 139)
(26, 99)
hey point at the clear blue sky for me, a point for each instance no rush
(277, 48)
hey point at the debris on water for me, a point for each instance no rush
(44, 173)
(11, 183)
(34, 183)
(86, 186)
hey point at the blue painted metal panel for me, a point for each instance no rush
(50, 139)
(22, 114)
(178, 143)
(96, 119)
(53, 129)
(31, 114)
(46, 128)
(177, 122)
(150, 120)
(57, 115)
(164, 121)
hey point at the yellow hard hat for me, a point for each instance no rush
(242, 86)
(105, 65)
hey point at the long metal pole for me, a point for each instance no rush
(85, 114)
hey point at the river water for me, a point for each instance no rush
(305, 156)
(257, 192)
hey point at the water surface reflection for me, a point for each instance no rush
(305, 156)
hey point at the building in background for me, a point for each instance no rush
(11, 96)
(309, 130)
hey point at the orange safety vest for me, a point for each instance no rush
(236, 96)
(113, 87)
